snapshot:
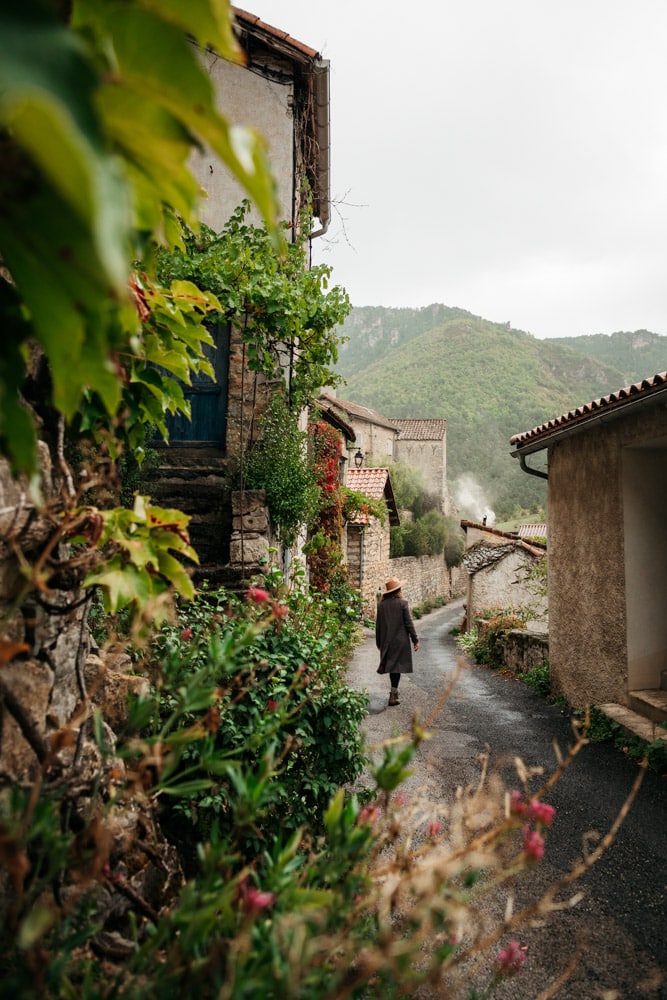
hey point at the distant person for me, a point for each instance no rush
(394, 631)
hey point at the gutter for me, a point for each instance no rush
(575, 427)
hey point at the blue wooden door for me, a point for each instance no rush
(207, 396)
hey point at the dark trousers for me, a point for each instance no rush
(394, 678)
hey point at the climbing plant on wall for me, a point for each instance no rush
(289, 315)
(97, 120)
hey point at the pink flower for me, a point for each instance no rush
(256, 900)
(541, 812)
(434, 828)
(186, 634)
(369, 814)
(257, 595)
(533, 843)
(517, 804)
(272, 704)
(510, 960)
(280, 610)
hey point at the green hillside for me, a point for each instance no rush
(636, 355)
(488, 380)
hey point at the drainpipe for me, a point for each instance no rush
(322, 125)
(531, 472)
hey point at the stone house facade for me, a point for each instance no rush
(499, 567)
(421, 444)
(607, 512)
(366, 542)
(283, 92)
(375, 436)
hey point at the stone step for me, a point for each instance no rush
(232, 579)
(651, 703)
(633, 723)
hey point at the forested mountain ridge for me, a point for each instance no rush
(487, 379)
(636, 355)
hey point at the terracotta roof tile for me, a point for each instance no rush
(535, 548)
(246, 19)
(369, 481)
(421, 430)
(614, 401)
(532, 531)
(375, 483)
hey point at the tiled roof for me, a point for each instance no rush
(615, 402)
(421, 430)
(532, 531)
(535, 548)
(375, 483)
(361, 412)
(369, 481)
(336, 419)
(291, 45)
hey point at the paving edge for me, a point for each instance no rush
(634, 724)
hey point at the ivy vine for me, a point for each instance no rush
(289, 315)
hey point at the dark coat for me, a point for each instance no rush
(393, 631)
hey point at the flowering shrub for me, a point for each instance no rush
(292, 887)
(483, 641)
(272, 667)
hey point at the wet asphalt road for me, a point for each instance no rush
(621, 922)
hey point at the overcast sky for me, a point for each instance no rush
(505, 156)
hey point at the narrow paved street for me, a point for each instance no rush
(620, 925)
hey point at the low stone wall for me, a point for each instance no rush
(523, 650)
(426, 577)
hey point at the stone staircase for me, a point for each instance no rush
(644, 712)
(196, 481)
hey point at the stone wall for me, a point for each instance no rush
(251, 531)
(524, 649)
(424, 577)
(431, 458)
(371, 566)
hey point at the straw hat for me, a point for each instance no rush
(392, 584)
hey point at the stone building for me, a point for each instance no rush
(607, 516)
(282, 91)
(375, 436)
(499, 567)
(367, 539)
(422, 444)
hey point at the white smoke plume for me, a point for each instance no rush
(471, 501)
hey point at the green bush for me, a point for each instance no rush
(483, 642)
(538, 678)
(279, 464)
(292, 888)
(284, 713)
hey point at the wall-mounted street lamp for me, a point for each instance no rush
(358, 458)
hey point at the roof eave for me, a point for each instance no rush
(602, 414)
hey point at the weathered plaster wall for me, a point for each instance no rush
(266, 105)
(507, 584)
(587, 559)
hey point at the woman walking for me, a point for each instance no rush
(394, 630)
